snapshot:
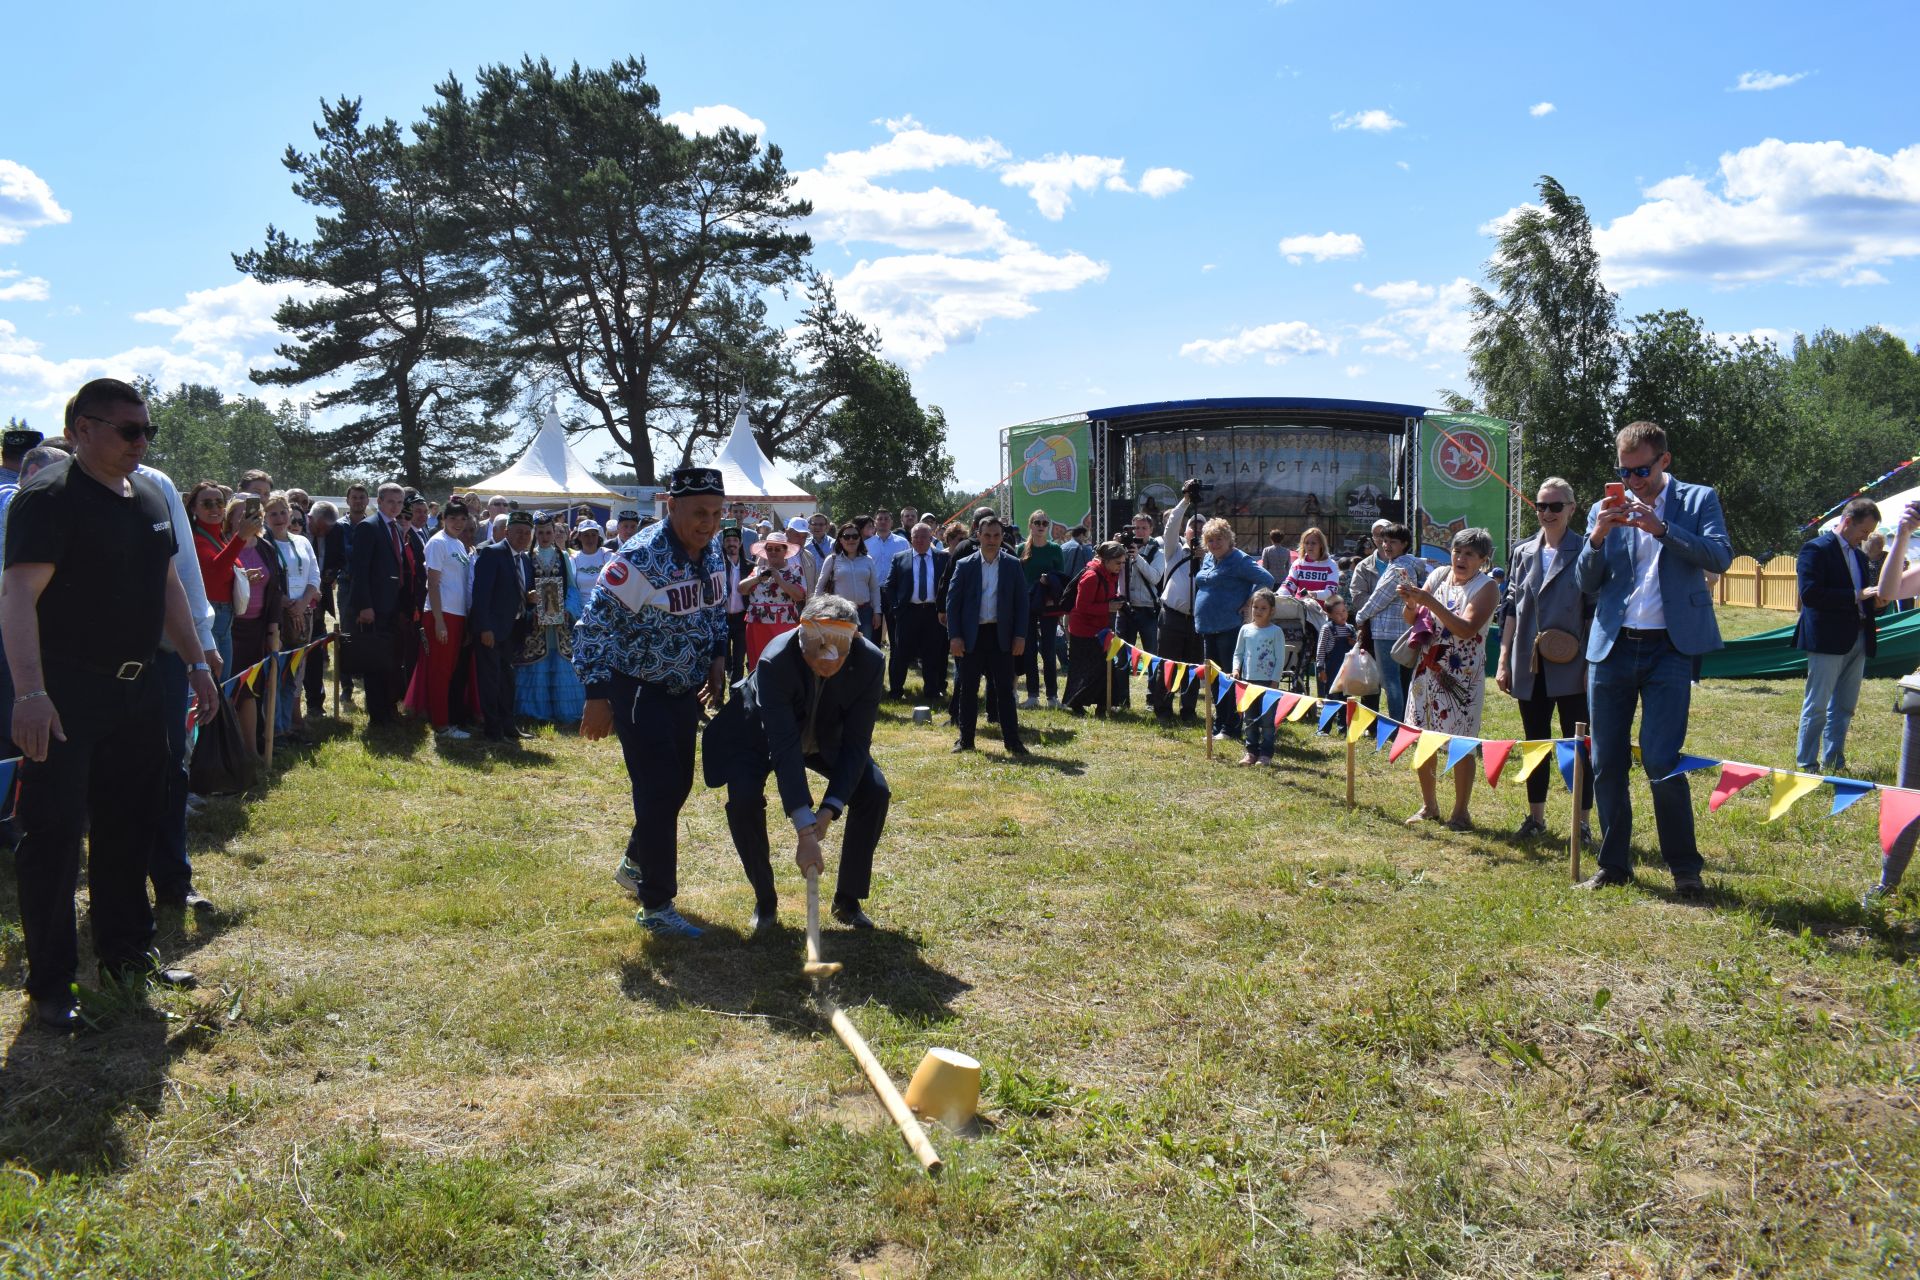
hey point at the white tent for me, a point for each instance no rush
(753, 478)
(548, 475)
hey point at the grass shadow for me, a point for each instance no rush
(403, 738)
(63, 1099)
(482, 756)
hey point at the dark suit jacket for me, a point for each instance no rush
(499, 600)
(379, 581)
(765, 720)
(963, 601)
(899, 586)
(1830, 618)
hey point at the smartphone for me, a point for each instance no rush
(1616, 494)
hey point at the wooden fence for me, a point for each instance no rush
(1748, 584)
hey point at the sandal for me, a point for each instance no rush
(1458, 824)
(1420, 815)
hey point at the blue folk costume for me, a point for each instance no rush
(545, 686)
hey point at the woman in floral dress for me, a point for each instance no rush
(1449, 681)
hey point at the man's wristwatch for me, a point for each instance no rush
(201, 666)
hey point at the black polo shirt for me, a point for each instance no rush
(107, 601)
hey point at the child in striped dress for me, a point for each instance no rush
(1259, 654)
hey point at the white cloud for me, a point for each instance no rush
(1331, 244)
(1355, 371)
(1397, 293)
(924, 303)
(1780, 338)
(1798, 211)
(224, 319)
(1761, 81)
(711, 120)
(912, 147)
(1206, 267)
(12, 344)
(1052, 181)
(28, 289)
(1273, 343)
(26, 202)
(1497, 226)
(1373, 121)
(1402, 165)
(1539, 109)
(1163, 182)
(1866, 275)
(848, 208)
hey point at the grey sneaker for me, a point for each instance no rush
(665, 922)
(627, 876)
(1530, 828)
(1875, 898)
(1029, 703)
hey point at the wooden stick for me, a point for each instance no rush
(1206, 696)
(1106, 708)
(273, 696)
(1352, 749)
(815, 967)
(1579, 776)
(333, 660)
(890, 1097)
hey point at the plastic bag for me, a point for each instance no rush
(222, 763)
(1358, 677)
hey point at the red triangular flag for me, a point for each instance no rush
(1732, 778)
(1899, 809)
(1170, 670)
(1493, 758)
(1407, 736)
(1286, 704)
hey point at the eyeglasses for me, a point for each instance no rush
(1550, 508)
(129, 431)
(1641, 472)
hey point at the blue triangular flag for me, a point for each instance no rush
(1383, 730)
(1153, 668)
(1328, 710)
(1565, 750)
(1846, 791)
(1689, 763)
(1268, 701)
(1223, 686)
(1460, 749)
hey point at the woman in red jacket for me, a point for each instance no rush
(219, 556)
(1096, 601)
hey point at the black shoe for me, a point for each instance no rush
(149, 974)
(1018, 750)
(850, 915)
(763, 922)
(521, 734)
(62, 1016)
(198, 903)
(1689, 889)
(1604, 880)
(958, 747)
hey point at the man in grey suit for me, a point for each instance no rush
(809, 704)
(1645, 560)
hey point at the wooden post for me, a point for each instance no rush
(333, 661)
(1759, 586)
(1206, 678)
(1106, 707)
(273, 695)
(1353, 749)
(1579, 777)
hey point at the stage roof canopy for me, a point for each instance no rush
(1173, 415)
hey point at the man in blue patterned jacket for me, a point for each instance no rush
(651, 650)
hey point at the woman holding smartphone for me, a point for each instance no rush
(1900, 580)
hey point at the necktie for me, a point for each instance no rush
(399, 556)
(925, 591)
(809, 737)
(520, 568)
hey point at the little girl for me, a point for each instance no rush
(1314, 575)
(1258, 656)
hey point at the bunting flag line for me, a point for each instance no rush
(1329, 712)
(1459, 749)
(1300, 709)
(1383, 732)
(1899, 809)
(1834, 509)
(1113, 645)
(1845, 792)
(1406, 737)
(1532, 756)
(1283, 710)
(1363, 718)
(1565, 751)
(1788, 788)
(1493, 759)
(1430, 745)
(1245, 695)
(1733, 777)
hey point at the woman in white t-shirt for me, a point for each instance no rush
(296, 618)
(449, 587)
(589, 560)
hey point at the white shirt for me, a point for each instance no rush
(303, 567)
(1547, 555)
(989, 589)
(447, 554)
(920, 565)
(186, 562)
(1646, 611)
(883, 550)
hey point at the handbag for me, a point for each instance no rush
(1906, 695)
(1554, 645)
(242, 590)
(1414, 640)
(1359, 675)
(222, 762)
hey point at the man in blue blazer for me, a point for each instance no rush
(1836, 628)
(1645, 561)
(497, 618)
(987, 630)
(916, 589)
(383, 597)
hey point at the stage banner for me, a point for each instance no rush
(1459, 456)
(1055, 475)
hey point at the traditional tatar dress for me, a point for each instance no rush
(545, 686)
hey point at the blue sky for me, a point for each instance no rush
(1043, 207)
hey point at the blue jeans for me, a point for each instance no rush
(167, 864)
(1658, 678)
(223, 638)
(1218, 647)
(1394, 678)
(1833, 689)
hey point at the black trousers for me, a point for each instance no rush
(736, 647)
(1086, 673)
(1536, 718)
(1180, 642)
(987, 658)
(657, 731)
(387, 682)
(918, 638)
(495, 671)
(313, 671)
(865, 819)
(106, 780)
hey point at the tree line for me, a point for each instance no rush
(1781, 434)
(547, 236)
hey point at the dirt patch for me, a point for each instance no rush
(1343, 1193)
(1858, 1107)
(887, 1261)
(859, 1112)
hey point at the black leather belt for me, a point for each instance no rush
(128, 671)
(1639, 633)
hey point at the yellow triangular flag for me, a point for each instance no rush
(1531, 756)
(1431, 744)
(1113, 645)
(293, 663)
(1249, 694)
(1363, 719)
(1301, 709)
(1789, 787)
(253, 675)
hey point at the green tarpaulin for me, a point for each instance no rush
(1771, 653)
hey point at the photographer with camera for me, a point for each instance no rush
(1139, 622)
(1182, 555)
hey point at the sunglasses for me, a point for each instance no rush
(1641, 472)
(129, 431)
(1551, 508)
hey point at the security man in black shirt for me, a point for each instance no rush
(89, 585)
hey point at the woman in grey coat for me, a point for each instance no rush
(1542, 594)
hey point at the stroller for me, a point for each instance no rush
(1300, 621)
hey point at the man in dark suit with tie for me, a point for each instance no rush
(809, 704)
(1838, 600)
(987, 630)
(383, 600)
(916, 590)
(498, 617)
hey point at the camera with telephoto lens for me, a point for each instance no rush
(1195, 489)
(1128, 539)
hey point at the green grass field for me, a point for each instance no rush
(1230, 1029)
